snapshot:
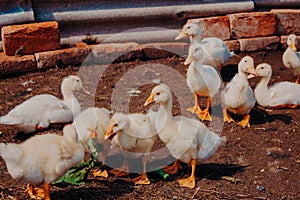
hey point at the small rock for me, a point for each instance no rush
(260, 188)
(133, 92)
(276, 152)
(27, 83)
(156, 81)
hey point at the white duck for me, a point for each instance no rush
(93, 123)
(135, 135)
(291, 58)
(216, 51)
(188, 140)
(39, 111)
(42, 159)
(279, 95)
(203, 80)
(238, 97)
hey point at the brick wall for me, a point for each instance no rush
(242, 31)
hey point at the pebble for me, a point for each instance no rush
(133, 92)
(260, 188)
(156, 81)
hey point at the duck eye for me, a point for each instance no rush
(262, 67)
(157, 93)
(245, 61)
(115, 125)
(188, 27)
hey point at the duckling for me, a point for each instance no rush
(39, 111)
(94, 122)
(203, 80)
(279, 95)
(216, 51)
(135, 135)
(291, 58)
(188, 140)
(238, 97)
(55, 155)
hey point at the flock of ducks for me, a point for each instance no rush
(187, 139)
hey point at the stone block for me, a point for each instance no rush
(115, 52)
(163, 50)
(16, 64)
(64, 57)
(287, 21)
(259, 43)
(254, 24)
(213, 27)
(30, 38)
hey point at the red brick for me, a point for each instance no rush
(213, 27)
(287, 21)
(70, 56)
(35, 37)
(254, 24)
(16, 64)
(162, 50)
(233, 45)
(115, 52)
(259, 43)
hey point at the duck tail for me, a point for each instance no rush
(210, 145)
(10, 152)
(10, 120)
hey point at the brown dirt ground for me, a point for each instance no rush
(261, 162)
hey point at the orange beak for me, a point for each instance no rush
(149, 100)
(293, 46)
(252, 72)
(109, 135)
(180, 36)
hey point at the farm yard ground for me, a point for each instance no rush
(261, 162)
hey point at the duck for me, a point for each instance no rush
(202, 80)
(93, 122)
(238, 96)
(216, 51)
(187, 139)
(39, 111)
(135, 135)
(291, 58)
(283, 94)
(55, 155)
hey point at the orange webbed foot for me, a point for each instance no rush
(173, 169)
(141, 180)
(245, 122)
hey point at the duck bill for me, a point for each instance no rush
(85, 91)
(180, 36)
(110, 134)
(149, 100)
(293, 47)
(252, 73)
(188, 60)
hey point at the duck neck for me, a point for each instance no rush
(242, 74)
(263, 83)
(196, 38)
(166, 109)
(71, 101)
(197, 65)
